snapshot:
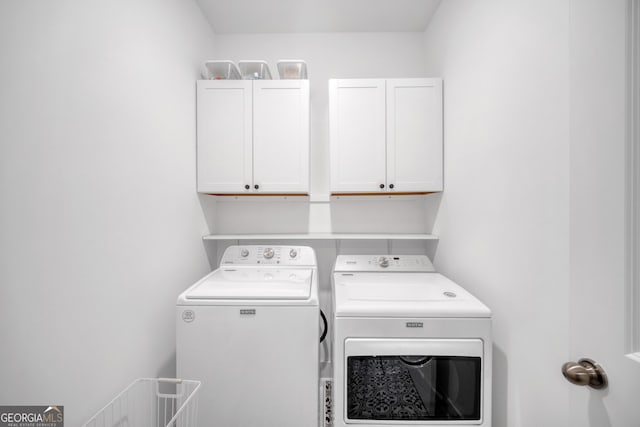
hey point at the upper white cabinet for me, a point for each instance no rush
(357, 114)
(281, 136)
(225, 136)
(253, 136)
(386, 135)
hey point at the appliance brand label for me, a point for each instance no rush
(414, 325)
(188, 316)
(247, 311)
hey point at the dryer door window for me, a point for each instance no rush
(413, 380)
(413, 388)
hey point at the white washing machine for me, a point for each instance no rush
(250, 331)
(411, 347)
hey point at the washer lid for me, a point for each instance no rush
(251, 284)
(403, 295)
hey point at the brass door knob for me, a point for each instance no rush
(585, 372)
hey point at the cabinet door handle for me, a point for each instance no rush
(256, 186)
(381, 185)
(247, 186)
(391, 186)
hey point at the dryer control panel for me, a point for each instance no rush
(269, 255)
(390, 263)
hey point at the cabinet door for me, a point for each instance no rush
(357, 135)
(414, 134)
(224, 136)
(281, 136)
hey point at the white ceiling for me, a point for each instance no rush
(317, 16)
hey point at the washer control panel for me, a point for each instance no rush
(268, 255)
(391, 263)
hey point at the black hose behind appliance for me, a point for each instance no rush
(325, 326)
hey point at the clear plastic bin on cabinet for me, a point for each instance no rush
(220, 70)
(292, 69)
(254, 70)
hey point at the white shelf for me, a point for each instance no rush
(323, 236)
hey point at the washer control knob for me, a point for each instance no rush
(244, 252)
(383, 262)
(293, 253)
(268, 253)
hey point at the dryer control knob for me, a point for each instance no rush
(383, 262)
(244, 253)
(268, 253)
(293, 253)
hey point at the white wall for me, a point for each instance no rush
(100, 224)
(504, 215)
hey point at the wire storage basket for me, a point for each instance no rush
(151, 402)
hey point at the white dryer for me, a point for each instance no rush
(250, 332)
(411, 347)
